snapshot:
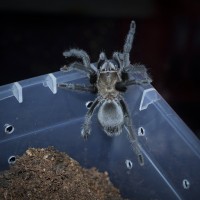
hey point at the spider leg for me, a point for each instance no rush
(122, 86)
(79, 54)
(86, 129)
(136, 68)
(131, 133)
(78, 87)
(118, 58)
(76, 66)
(102, 56)
(128, 44)
(102, 59)
(137, 82)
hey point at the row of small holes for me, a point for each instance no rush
(8, 129)
(129, 165)
(141, 132)
(185, 183)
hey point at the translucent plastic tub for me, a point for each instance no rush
(33, 113)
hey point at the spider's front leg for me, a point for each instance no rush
(86, 129)
(128, 44)
(131, 133)
(81, 54)
(77, 87)
(122, 85)
(138, 69)
(76, 66)
(137, 82)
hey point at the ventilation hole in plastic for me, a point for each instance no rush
(186, 184)
(141, 131)
(129, 164)
(141, 160)
(11, 159)
(9, 128)
(88, 104)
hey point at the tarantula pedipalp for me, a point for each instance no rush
(109, 78)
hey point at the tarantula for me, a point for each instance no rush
(109, 78)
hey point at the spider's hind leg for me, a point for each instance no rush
(86, 129)
(131, 133)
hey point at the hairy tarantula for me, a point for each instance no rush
(109, 78)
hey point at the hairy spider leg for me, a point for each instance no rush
(102, 56)
(119, 59)
(76, 66)
(138, 69)
(131, 133)
(86, 128)
(128, 44)
(78, 87)
(79, 53)
(102, 59)
(122, 85)
(137, 82)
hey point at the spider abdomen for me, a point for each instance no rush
(111, 117)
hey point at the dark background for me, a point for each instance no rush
(33, 35)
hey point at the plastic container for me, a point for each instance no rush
(34, 113)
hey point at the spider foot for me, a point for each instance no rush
(85, 133)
